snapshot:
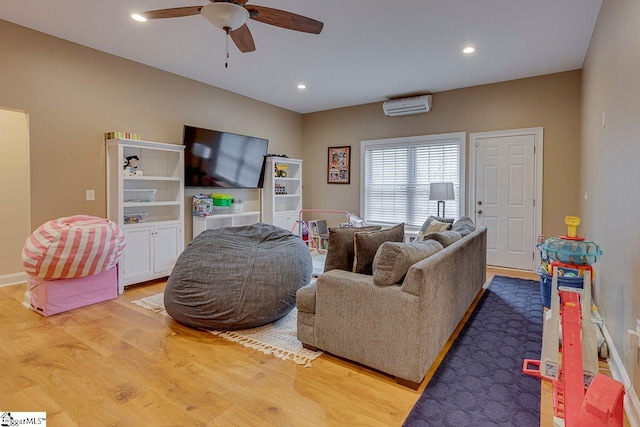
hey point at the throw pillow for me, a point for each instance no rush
(432, 218)
(340, 251)
(464, 225)
(392, 261)
(366, 245)
(438, 226)
(445, 238)
(423, 230)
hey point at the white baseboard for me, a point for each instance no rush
(26, 301)
(13, 279)
(618, 372)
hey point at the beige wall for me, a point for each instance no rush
(551, 101)
(610, 173)
(74, 95)
(14, 191)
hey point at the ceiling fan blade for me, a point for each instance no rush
(175, 12)
(243, 39)
(283, 19)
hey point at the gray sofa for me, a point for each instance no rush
(398, 329)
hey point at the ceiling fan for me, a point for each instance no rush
(232, 15)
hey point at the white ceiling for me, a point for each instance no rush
(368, 51)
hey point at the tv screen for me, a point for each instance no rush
(222, 159)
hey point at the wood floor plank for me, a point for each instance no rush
(34, 397)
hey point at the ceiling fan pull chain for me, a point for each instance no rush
(226, 47)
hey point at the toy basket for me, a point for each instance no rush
(140, 196)
(546, 281)
(571, 251)
(135, 218)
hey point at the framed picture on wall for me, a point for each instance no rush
(339, 165)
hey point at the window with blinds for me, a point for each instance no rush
(397, 174)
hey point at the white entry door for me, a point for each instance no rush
(505, 193)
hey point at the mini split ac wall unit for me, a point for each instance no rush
(404, 106)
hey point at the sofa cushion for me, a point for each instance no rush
(464, 225)
(425, 229)
(445, 238)
(366, 245)
(392, 261)
(306, 298)
(340, 251)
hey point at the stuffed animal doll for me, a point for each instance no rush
(131, 166)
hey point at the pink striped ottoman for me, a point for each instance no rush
(72, 262)
(50, 297)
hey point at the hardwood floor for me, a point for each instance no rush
(115, 363)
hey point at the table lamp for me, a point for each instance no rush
(441, 191)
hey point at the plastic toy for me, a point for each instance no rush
(566, 260)
(220, 199)
(572, 223)
(280, 171)
(602, 403)
(571, 249)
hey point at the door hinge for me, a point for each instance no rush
(534, 203)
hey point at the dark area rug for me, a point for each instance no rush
(480, 381)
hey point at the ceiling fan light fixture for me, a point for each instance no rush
(225, 15)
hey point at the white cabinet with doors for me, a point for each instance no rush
(282, 192)
(149, 206)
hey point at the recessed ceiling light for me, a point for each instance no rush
(138, 17)
(469, 49)
(302, 86)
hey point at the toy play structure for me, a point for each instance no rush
(315, 232)
(570, 254)
(581, 395)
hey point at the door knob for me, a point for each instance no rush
(479, 211)
(479, 202)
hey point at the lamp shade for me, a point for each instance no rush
(441, 191)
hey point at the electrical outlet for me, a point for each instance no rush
(90, 195)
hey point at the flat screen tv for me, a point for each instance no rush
(222, 159)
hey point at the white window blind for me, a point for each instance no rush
(397, 174)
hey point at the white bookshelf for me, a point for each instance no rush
(282, 209)
(156, 240)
